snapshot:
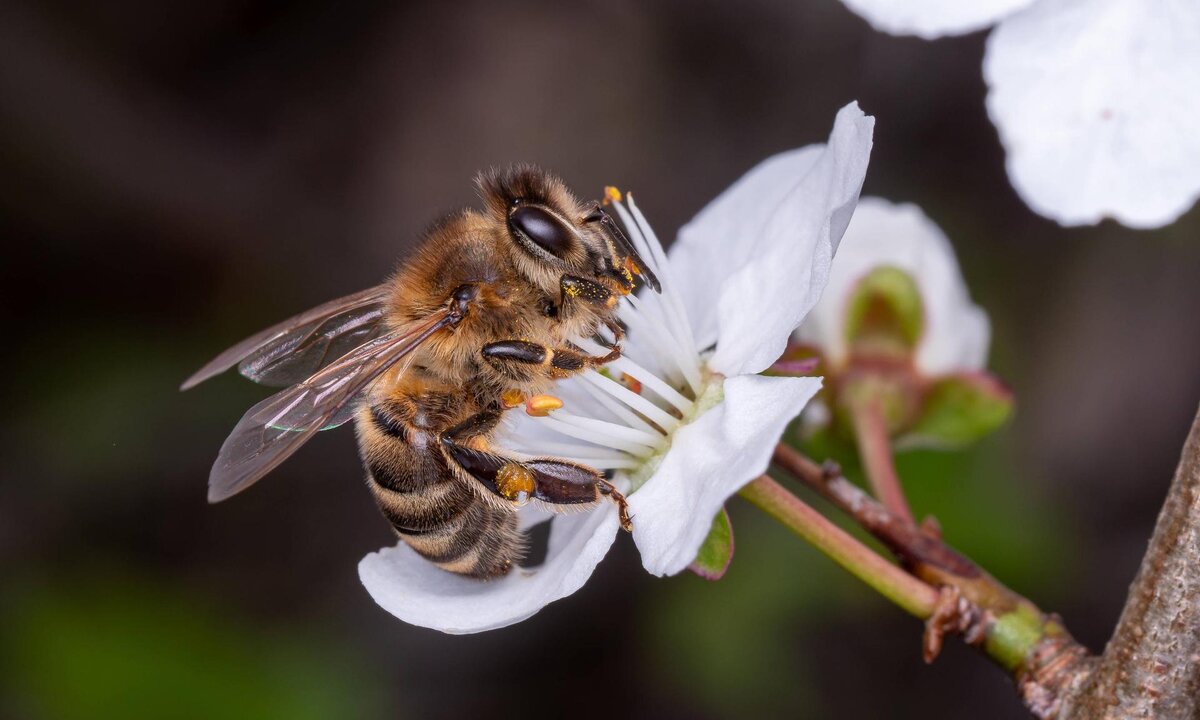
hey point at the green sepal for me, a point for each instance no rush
(957, 410)
(717, 551)
(885, 309)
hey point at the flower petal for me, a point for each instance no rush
(930, 19)
(1096, 103)
(765, 244)
(710, 460)
(417, 592)
(956, 332)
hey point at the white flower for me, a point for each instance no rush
(739, 279)
(1096, 101)
(955, 331)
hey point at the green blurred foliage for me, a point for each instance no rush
(731, 644)
(735, 644)
(1022, 540)
(115, 646)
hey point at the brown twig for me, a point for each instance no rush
(1045, 661)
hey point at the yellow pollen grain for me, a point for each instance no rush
(611, 194)
(541, 405)
(514, 480)
(512, 398)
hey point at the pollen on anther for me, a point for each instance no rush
(541, 405)
(512, 398)
(611, 195)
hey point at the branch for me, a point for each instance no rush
(1046, 662)
(1151, 667)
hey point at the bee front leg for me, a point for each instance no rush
(557, 483)
(574, 289)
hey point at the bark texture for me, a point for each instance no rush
(1151, 667)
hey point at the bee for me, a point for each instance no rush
(480, 318)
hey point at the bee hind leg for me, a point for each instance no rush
(610, 490)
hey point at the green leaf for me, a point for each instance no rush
(717, 551)
(885, 310)
(960, 409)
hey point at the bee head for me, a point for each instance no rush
(556, 235)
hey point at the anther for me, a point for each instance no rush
(541, 405)
(611, 195)
(512, 397)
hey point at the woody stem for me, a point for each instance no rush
(1047, 663)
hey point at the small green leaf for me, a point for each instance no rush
(717, 551)
(960, 409)
(885, 309)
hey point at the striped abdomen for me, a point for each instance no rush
(434, 512)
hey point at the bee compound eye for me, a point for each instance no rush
(542, 228)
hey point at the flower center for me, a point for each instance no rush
(712, 394)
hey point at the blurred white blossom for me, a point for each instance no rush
(691, 420)
(1095, 101)
(955, 332)
(897, 323)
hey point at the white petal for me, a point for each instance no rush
(727, 234)
(764, 246)
(710, 460)
(1096, 102)
(931, 19)
(417, 592)
(956, 331)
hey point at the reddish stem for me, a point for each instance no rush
(875, 449)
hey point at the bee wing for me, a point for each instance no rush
(296, 348)
(276, 427)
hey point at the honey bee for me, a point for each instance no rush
(482, 315)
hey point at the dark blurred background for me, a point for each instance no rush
(174, 176)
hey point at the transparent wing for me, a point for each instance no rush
(276, 427)
(296, 348)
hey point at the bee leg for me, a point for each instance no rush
(557, 483)
(580, 290)
(614, 351)
(607, 488)
(521, 358)
(574, 289)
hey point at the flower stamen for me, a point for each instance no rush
(614, 430)
(541, 405)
